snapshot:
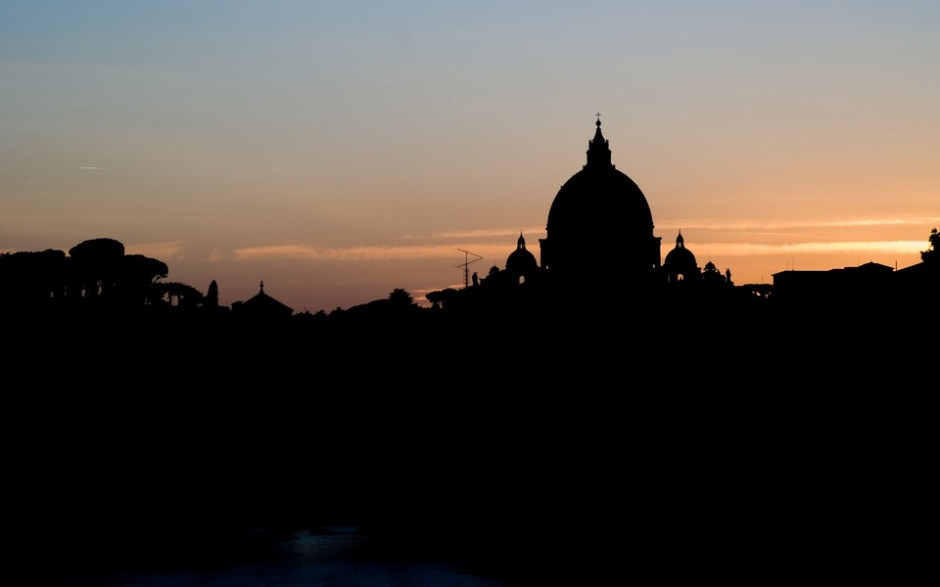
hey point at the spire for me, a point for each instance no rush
(680, 242)
(520, 244)
(262, 286)
(598, 153)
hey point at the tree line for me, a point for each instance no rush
(94, 273)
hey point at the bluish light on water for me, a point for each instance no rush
(337, 557)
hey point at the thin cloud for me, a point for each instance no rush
(750, 225)
(496, 253)
(488, 232)
(215, 256)
(168, 251)
(420, 293)
(776, 228)
(90, 168)
(370, 253)
(810, 248)
(277, 251)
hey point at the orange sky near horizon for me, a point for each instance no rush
(339, 151)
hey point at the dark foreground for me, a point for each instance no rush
(753, 449)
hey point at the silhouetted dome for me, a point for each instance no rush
(521, 261)
(680, 256)
(680, 261)
(600, 195)
(600, 219)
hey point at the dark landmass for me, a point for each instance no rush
(706, 431)
(688, 442)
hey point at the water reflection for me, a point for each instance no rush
(323, 557)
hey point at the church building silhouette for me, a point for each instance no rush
(600, 226)
(599, 232)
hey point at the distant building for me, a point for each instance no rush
(262, 307)
(919, 285)
(869, 281)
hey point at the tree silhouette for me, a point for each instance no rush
(400, 298)
(185, 295)
(435, 297)
(101, 272)
(136, 277)
(32, 277)
(211, 299)
(95, 265)
(932, 254)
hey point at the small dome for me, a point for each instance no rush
(680, 260)
(521, 261)
(680, 256)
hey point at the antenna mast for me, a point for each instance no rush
(466, 265)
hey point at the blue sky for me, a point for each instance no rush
(338, 150)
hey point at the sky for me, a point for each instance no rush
(340, 150)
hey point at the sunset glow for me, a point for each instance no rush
(340, 150)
